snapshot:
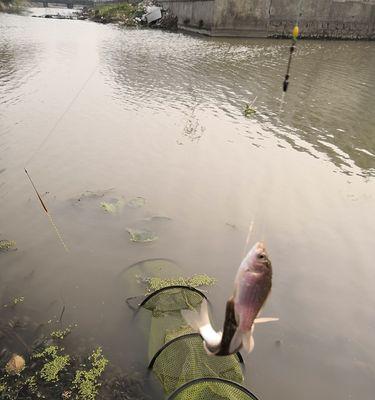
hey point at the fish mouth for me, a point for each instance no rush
(260, 247)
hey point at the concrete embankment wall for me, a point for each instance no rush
(341, 19)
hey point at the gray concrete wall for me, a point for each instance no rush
(196, 15)
(341, 19)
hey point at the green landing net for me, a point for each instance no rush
(176, 353)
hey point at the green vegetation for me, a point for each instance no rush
(249, 111)
(86, 381)
(60, 334)
(6, 245)
(141, 235)
(12, 6)
(121, 12)
(55, 364)
(156, 283)
(114, 207)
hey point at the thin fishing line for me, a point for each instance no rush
(249, 232)
(52, 130)
(44, 141)
(48, 214)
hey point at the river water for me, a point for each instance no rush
(88, 107)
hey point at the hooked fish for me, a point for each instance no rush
(252, 286)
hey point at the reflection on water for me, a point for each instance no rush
(318, 115)
(160, 116)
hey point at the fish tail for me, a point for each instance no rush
(248, 340)
(201, 323)
(197, 319)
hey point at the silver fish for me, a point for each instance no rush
(252, 286)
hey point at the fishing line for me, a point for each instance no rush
(249, 232)
(52, 130)
(44, 141)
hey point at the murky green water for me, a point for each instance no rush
(160, 115)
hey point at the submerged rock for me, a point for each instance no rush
(15, 365)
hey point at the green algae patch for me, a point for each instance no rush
(141, 235)
(156, 283)
(61, 333)
(114, 207)
(86, 381)
(55, 363)
(6, 245)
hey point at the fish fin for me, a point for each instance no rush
(236, 342)
(248, 340)
(201, 322)
(264, 320)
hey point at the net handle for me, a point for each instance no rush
(220, 380)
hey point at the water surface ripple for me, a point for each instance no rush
(160, 115)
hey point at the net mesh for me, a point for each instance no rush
(185, 359)
(212, 390)
(173, 299)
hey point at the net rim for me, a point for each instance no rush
(221, 380)
(187, 335)
(191, 288)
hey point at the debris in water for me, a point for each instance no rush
(114, 207)
(137, 202)
(6, 245)
(158, 218)
(141, 235)
(15, 365)
(90, 195)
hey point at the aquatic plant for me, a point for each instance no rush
(156, 283)
(61, 334)
(6, 245)
(249, 111)
(51, 369)
(86, 381)
(114, 207)
(141, 235)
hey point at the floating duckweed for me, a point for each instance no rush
(141, 235)
(60, 334)
(156, 283)
(86, 381)
(31, 384)
(6, 245)
(50, 371)
(18, 300)
(249, 111)
(114, 207)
